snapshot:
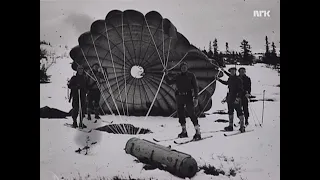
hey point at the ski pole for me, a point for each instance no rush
(80, 109)
(263, 105)
(68, 94)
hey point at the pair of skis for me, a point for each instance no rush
(163, 140)
(202, 138)
(83, 130)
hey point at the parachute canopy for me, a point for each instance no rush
(132, 50)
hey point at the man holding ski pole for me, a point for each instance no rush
(233, 98)
(78, 88)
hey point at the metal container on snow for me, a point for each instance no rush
(181, 164)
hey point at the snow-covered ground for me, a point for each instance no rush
(254, 155)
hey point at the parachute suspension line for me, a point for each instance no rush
(154, 43)
(107, 80)
(211, 94)
(124, 67)
(154, 99)
(114, 70)
(200, 91)
(164, 61)
(179, 61)
(99, 87)
(168, 53)
(96, 79)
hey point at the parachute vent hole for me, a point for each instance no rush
(123, 129)
(137, 71)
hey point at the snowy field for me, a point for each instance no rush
(253, 155)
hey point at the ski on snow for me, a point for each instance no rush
(163, 140)
(237, 132)
(192, 140)
(170, 139)
(83, 130)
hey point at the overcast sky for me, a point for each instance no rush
(200, 21)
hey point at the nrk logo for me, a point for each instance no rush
(261, 13)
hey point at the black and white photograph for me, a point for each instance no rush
(159, 90)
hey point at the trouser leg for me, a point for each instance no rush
(245, 106)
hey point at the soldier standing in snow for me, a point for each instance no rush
(78, 84)
(234, 98)
(246, 84)
(93, 96)
(247, 91)
(185, 82)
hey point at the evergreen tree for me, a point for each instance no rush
(215, 50)
(233, 57)
(266, 58)
(274, 60)
(210, 53)
(273, 51)
(221, 59)
(247, 57)
(227, 54)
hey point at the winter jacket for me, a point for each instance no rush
(235, 88)
(78, 82)
(185, 82)
(246, 84)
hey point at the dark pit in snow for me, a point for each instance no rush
(220, 112)
(221, 120)
(123, 129)
(255, 100)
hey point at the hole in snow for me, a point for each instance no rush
(211, 170)
(137, 72)
(123, 129)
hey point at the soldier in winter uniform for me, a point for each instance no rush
(93, 96)
(185, 82)
(247, 91)
(78, 84)
(246, 84)
(234, 99)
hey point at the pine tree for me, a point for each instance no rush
(273, 55)
(210, 53)
(267, 46)
(227, 53)
(273, 51)
(215, 50)
(247, 57)
(233, 58)
(266, 58)
(221, 59)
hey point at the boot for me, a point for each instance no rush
(242, 128)
(82, 126)
(96, 113)
(197, 136)
(246, 121)
(74, 124)
(230, 127)
(184, 133)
